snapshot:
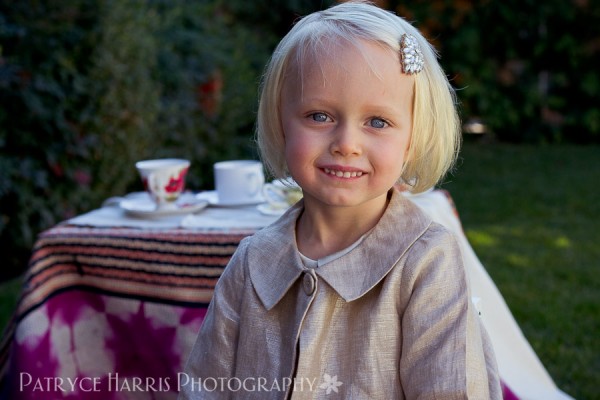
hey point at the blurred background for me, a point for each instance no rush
(88, 87)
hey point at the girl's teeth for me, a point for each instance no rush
(341, 174)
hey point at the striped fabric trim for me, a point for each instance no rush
(172, 266)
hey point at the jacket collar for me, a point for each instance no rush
(275, 265)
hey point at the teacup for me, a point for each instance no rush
(164, 180)
(282, 193)
(239, 182)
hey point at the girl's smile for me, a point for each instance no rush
(343, 172)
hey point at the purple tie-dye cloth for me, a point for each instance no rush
(84, 345)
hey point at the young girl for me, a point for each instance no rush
(354, 293)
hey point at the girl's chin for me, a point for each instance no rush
(343, 200)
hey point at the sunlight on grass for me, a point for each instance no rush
(562, 242)
(481, 238)
(518, 260)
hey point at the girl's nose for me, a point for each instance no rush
(346, 141)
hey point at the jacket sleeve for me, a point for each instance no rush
(445, 352)
(213, 356)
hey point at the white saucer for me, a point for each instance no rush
(144, 207)
(268, 209)
(213, 199)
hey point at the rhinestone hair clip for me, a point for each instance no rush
(411, 56)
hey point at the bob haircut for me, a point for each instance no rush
(435, 137)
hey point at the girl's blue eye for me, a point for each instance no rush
(378, 123)
(319, 117)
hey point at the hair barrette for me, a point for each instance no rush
(411, 56)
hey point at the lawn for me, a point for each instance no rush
(531, 214)
(9, 292)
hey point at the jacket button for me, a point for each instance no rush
(308, 283)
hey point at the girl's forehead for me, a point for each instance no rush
(367, 72)
(336, 55)
(328, 53)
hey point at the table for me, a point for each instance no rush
(111, 305)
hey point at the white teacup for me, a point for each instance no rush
(282, 193)
(239, 182)
(164, 180)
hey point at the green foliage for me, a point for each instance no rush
(41, 80)
(526, 68)
(89, 87)
(9, 295)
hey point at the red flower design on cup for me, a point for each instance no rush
(177, 184)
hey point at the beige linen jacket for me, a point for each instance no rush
(391, 319)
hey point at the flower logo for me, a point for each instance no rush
(330, 383)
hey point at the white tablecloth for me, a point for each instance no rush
(210, 218)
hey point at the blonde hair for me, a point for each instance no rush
(435, 138)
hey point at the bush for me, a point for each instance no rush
(527, 69)
(87, 88)
(41, 148)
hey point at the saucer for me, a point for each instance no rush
(144, 207)
(213, 199)
(269, 209)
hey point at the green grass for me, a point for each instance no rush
(9, 292)
(531, 215)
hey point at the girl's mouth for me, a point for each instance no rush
(343, 174)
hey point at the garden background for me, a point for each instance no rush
(88, 87)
